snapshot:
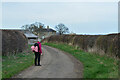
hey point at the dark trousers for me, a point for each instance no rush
(37, 56)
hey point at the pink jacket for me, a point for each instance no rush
(34, 48)
(40, 47)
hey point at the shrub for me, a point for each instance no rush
(102, 44)
(13, 41)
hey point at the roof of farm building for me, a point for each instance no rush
(28, 35)
(48, 30)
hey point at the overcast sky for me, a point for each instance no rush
(79, 17)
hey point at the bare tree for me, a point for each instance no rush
(34, 28)
(61, 28)
(25, 27)
(39, 25)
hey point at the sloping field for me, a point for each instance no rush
(102, 44)
(13, 41)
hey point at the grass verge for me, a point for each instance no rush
(13, 64)
(95, 66)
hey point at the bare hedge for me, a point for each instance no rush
(102, 44)
(13, 41)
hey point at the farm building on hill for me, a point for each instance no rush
(31, 37)
(42, 33)
(46, 32)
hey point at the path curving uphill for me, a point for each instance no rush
(55, 64)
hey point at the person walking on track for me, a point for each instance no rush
(37, 51)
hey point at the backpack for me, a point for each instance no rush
(36, 44)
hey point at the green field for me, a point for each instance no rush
(13, 64)
(95, 66)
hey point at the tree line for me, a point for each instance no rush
(38, 27)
